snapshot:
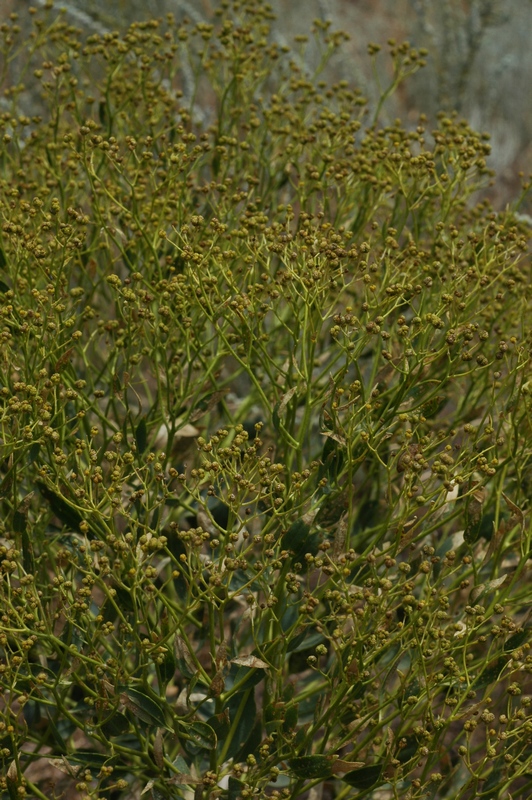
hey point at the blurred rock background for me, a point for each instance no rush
(480, 57)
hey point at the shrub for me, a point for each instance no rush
(265, 447)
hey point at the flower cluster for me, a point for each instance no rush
(265, 446)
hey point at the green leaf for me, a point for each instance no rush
(117, 725)
(310, 767)
(167, 668)
(185, 662)
(298, 540)
(413, 689)
(32, 713)
(332, 460)
(201, 737)
(181, 765)
(491, 674)
(144, 707)
(20, 525)
(242, 714)
(253, 742)
(103, 113)
(206, 404)
(473, 531)
(291, 718)
(433, 406)
(251, 676)
(473, 514)
(61, 730)
(495, 780)
(289, 612)
(409, 749)
(20, 517)
(7, 483)
(234, 789)
(11, 785)
(141, 437)
(60, 508)
(90, 758)
(365, 777)
(220, 725)
(369, 515)
(305, 641)
(125, 600)
(516, 640)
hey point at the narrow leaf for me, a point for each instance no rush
(310, 767)
(250, 661)
(158, 749)
(366, 777)
(141, 437)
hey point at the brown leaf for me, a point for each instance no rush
(345, 766)
(63, 360)
(11, 773)
(63, 766)
(407, 531)
(205, 522)
(250, 661)
(183, 778)
(158, 749)
(214, 399)
(486, 587)
(517, 514)
(340, 536)
(217, 684)
(221, 656)
(285, 399)
(187, 431)
(182, 652)
(336, 436)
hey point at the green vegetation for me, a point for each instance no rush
(265, 454)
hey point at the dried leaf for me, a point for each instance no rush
(345, 766)
(473, 512)
(407, 531)
(479, 590)
(336, 436)
(340, 536)
(221, 656)
(158, 749)
(250, 661)
(517, 515)
(285, 399)
(187, 431)
(217, 684)
(63, 766)
(205, 522)
(11, 773)
(207, 404)
(185, 662)
(63, 360)
(183, 778)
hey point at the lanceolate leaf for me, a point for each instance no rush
(144, 707)
(199, 736)
(365, 777)
(141, 438)
(310, 767)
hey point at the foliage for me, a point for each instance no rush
(266, 445)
